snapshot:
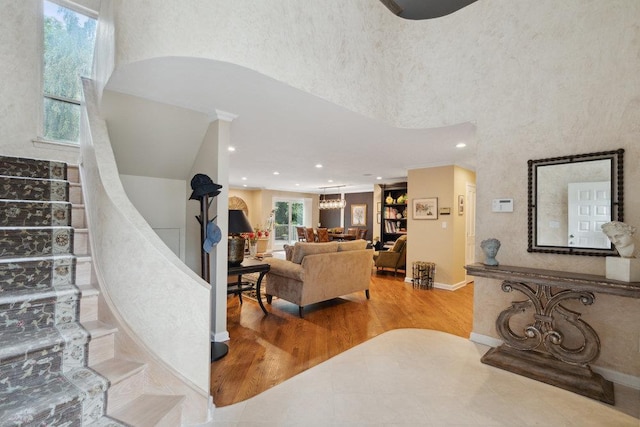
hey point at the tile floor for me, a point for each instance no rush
(415, 377)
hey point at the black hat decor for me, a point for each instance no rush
(203, 185)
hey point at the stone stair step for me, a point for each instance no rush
(78, 219)
(93, 388)
(25, 213)
(24, 309)
(36, 272)
(35, 189)
(126, 378)
(101, 347)
(35, 241)
(29, 359)
(55, 402)
(34, 168)
(152, 410)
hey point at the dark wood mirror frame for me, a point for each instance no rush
(617, 199)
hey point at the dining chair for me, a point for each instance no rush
(362, 233)
(309, 235)
(301, 234)
(352, 231)
(323, 234)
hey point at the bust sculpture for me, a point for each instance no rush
(490, 248)
(621, 235)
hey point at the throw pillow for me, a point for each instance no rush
(288, 252)
(302, 249)
(353, 245)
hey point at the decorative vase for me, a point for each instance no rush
(262, 244)
(253, 248)
(389, 199)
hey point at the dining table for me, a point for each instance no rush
(342, 236)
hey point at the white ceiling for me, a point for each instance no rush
(278, 128)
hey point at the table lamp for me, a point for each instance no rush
(238, 223)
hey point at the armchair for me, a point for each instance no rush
(395, 258)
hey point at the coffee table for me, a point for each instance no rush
(249, 265)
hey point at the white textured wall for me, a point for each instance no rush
(538, 78)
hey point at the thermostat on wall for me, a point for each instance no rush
(502, 205)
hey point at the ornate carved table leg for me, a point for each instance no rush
(541, 352)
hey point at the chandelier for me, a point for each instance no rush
(332, 203)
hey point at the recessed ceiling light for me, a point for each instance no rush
(232, 148)
(276, 173)
(244, 185)
(318, 165)
(461, 145)
(297, 185)
(378, 177)
(330, 180)
(244, 178)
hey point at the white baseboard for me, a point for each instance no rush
(485, 340)
(611, 375)
(444, 286)
(220, 336)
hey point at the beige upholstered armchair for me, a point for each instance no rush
(395, 258)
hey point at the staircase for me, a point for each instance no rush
(58, 363)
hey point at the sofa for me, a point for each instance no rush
(315, 272)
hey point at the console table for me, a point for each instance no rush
(540, 352)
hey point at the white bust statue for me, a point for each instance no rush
(621, 235)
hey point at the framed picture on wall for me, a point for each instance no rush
(358, 215)
(460, 204)
(425, 208)
(379, 217)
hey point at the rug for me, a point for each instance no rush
(251, 293)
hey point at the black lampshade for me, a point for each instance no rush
(238, 222)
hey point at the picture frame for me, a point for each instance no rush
(379, 207)
(359, 215)
(379, 215)
(460, 204)
(426, 208)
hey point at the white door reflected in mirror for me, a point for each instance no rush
(589, 208)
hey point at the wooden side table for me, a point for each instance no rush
(249, 265)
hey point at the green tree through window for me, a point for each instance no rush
(69, 39)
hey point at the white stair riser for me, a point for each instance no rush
(75, 194)
(89, 308)
(173, 418)
(77, 217)
(83, 273)
(73, 174)
(101, 349)
(125, 391)
(80, 242)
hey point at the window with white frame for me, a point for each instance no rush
(69, 39)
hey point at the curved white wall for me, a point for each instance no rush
(539, 78)
(158, 302)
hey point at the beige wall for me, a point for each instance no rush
(260, 203)
(440, 241)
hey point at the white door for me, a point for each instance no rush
(469, 209)
(589, 208)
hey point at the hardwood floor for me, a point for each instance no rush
(266, 350)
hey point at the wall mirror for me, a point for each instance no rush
(570, 198)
